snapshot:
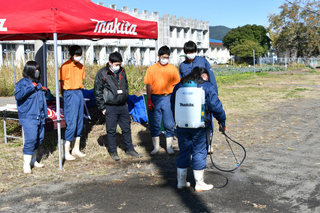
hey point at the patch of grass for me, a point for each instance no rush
(300, 89)
(18, 143)
(135, 77)
(293, 93)
(7, 79)
(234, 78)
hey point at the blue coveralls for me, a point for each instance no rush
(186, 67)
(73, 105)
(32, 111)
(192, 141)
(162, 110)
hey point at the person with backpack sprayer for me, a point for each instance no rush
(192, 61)
(193, 100)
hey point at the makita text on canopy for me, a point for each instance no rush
(116, 27)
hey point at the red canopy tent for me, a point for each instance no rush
(68, 19)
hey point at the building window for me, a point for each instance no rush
(186, 33)
(199, 35)
(204, 34)
(29, 52)
(178, 33)
(171, 32)
(65, 52)
(7, 49)
(50, 52)
(96, 53)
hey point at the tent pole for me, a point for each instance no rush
(57, 97)
(156, 51)
(44, 60)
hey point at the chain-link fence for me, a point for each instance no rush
(288, 62)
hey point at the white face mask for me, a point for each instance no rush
(77, 58)
(115, 68)
(164, 61)
(191, 56)
(37, 74)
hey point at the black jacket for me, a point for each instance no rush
(110, 88)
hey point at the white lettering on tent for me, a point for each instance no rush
(109, 27)
(116, 27)
(1, 25)
(132, 29)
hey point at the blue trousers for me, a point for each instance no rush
(73, 104)
(162, 110)
(34, 134)
(118, 115)
(192, 142)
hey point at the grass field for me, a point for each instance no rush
(242, 95)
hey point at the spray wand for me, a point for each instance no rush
(227, 140)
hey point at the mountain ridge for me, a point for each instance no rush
(218, 32)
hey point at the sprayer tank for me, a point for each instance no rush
(190, 107)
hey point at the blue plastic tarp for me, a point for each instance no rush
(137, 109)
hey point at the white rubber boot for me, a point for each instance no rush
(26, 164)
(76, 149)
(169, 141)
(34, 162)
(182, 178)
(200, 184)
(66, 151)
(156, 145)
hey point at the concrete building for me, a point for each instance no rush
(173, 32)
(218, 51)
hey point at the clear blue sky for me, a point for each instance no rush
(229, 13)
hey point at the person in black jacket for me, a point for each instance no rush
(111, 92)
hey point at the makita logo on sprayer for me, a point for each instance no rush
(116, 27)
(186, 105)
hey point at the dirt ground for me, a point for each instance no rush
(280, 173)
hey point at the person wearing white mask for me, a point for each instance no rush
(160, 80)
(111, 92)
(192, 61)
(71, 75)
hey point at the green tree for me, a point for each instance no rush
(255, 33)
(245, 50)
(295, 31)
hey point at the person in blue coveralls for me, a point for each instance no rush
(71, 75)
(32, 111)
(192, 61)
(192, 141)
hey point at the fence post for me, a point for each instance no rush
(14, 71)
(273, 61)
(285, 63)
(254, 64)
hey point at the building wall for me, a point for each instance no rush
(173, 32)
(219, 52)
